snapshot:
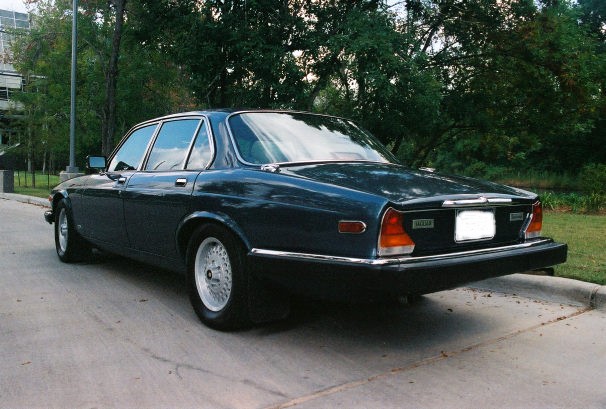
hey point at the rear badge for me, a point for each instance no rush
(422, 224)
(516, 217)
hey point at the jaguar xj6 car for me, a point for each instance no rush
(256, 205)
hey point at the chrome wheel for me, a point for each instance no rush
(70, 246)
(213, 274)
(218, 278)
(63, 230)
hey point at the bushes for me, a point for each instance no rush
(575, 202)
(593, 178)
(582, 193)
(593, 183)
(592, 199)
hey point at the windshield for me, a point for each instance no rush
(286, 137)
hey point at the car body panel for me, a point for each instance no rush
(154, 204)
(102, 212)
(253, 197)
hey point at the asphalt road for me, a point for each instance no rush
(113, 333)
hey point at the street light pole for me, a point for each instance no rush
(72, 116)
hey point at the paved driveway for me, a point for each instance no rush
(113, 333)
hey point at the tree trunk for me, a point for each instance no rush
(108, 126)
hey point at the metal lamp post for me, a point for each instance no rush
(72, 168)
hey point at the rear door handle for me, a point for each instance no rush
(181, 182)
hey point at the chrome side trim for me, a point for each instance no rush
(391, 260)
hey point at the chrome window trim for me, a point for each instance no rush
(150, 147)
(192, 141)
(127, 136)
(391, 260)
(202, 122)
(205, 122)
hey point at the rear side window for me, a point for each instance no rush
(172, 144)
(131, 153)
(201, 152)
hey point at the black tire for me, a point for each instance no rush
(410, 299)
(217, 276)
(70, 246)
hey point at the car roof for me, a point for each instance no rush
(223, 112)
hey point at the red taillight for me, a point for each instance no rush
(393, 239)
(536, 221)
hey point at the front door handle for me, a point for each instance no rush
(181, 182)
(121, 180)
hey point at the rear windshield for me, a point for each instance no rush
(286, 137)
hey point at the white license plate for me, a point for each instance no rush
(474, 225)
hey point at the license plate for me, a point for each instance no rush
(474, 225)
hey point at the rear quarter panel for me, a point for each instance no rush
(286, 213)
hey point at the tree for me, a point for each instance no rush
(39, 55)
(236, 53)
(109, 22)
(520, 81)
(149, 84)
(345, 58)
(593, 17)
(462, 84)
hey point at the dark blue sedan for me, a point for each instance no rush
(256, 205)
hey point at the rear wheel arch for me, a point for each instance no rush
(192, 222)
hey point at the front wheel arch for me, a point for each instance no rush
(59, 196)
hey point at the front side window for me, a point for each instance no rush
(286, 137)
(131, 153)
(172, 144)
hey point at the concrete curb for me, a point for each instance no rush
(38, 201)
(600, 298)
(548, 288)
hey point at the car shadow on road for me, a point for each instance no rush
(433, 320)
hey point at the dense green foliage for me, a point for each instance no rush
(149, 84)
(473, 86)
(593, 178)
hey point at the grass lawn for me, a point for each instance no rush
(586, 238)
(44, 184)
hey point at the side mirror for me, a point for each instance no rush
(96, 162)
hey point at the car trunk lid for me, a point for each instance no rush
(407, 187)
(442, 213)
